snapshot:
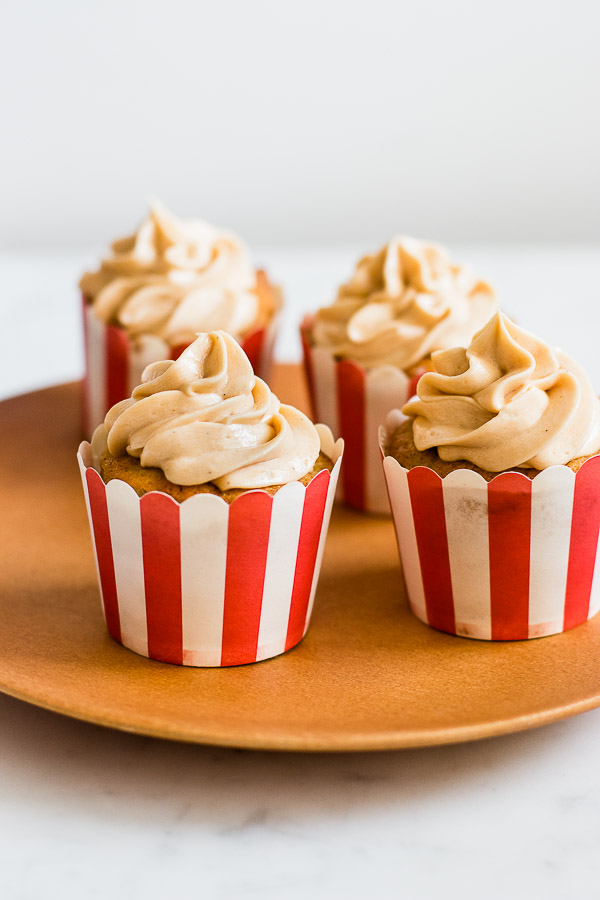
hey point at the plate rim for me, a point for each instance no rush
(255, 738)
(373, 743)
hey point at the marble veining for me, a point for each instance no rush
(106, 814)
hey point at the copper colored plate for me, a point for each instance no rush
(367, 676)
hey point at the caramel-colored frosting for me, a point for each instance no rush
(206, 417)
(175, 278)
(401, 304)
(508, 400)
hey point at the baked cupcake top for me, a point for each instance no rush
(174, 278)
(402, 303)
(507, 401)
(206, 418)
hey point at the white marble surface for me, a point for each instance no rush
(86, 812)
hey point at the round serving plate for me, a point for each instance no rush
(368, 676)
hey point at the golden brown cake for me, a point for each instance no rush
(401, 446)
(150, 478)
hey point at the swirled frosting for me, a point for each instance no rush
(402, 303)
(206, 417)
(507, 401)
(175, 278)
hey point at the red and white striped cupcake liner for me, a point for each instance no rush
(354, 402)
(114, 363)
(206, 583)
(509, 559)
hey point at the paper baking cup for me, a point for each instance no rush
(206, 583)
(504, 560)
(114, 363)
(354, 402)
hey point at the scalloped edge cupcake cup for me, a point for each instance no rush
(510, 559)
(204, 582)
(353, 402)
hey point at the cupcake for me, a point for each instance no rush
(209, 503)
(364, 353)
(155, 291)
(493, 475)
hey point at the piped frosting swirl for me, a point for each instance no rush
(402, 303)
(206, 417)
(507, 401)
(175, 278)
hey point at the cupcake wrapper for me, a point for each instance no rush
(114, 363)
(509, 559)
(206, 583)
(354, 402)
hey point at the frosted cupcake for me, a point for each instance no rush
(209, 502)
(156, 290)
(365, 352)
(494, 483)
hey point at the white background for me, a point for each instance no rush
(301, 122)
